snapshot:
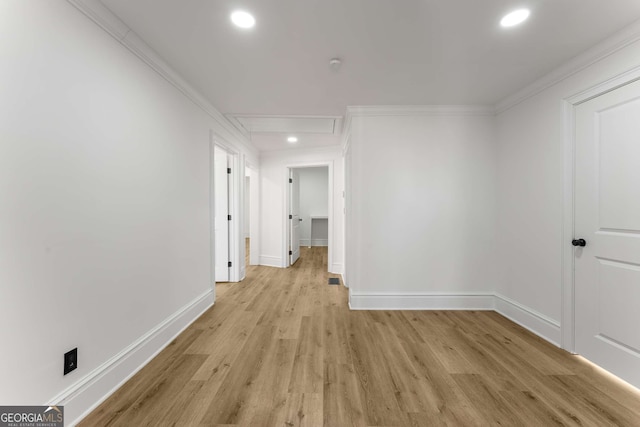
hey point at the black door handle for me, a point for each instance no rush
(579, 242)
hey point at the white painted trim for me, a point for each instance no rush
(611, 45)
(235, 122)
(538, 323)
(108, 21)
(541, 325)
(420, 301)
(568, 211)
(271, 261)
(338, 268)
(90, 391)
(346, 132)
(212, 217)
(286, 234)
(283, 116)
(254, 217)
(326, 150)
(314, 242)
(568, 260)
(416, 110)
(608, 85)
(235, 205)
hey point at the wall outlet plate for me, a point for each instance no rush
(70, 360)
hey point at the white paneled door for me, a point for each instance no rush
(294, 216)
(221, 199)
(607, 231)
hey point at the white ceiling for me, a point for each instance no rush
(394, 52)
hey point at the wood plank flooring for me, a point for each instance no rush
(282, 349)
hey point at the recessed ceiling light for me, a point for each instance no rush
(514, 18)
(292, 139)
(243, 19)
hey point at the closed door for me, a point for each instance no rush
(607, 217)
(294, 216)
(221, 208)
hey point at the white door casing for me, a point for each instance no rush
(607, 216)
(221, 197)
(294, 216)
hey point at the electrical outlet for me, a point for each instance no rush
(70, 361)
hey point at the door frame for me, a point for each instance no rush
(286, 261)
(234, 204)
(567, 324)
(254, 213)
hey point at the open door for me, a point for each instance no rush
(222, 218)
(294, 216)
(607, 231)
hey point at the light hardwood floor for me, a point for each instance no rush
(283, 349)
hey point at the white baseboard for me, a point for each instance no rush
(89, 392)
(536, 322)
(344, 281)
(314, 242)
(420, 301)
(337, 268)
(270, 261)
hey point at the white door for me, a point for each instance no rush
(221, 198)
(294, 216)
(607, 217)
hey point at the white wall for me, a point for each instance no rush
(104, 207)
(314, 200)
(530, 189)
(273, 178)
(422, 209)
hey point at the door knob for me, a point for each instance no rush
(579, 242)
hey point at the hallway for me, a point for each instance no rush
(282, 349)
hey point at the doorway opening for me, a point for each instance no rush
(309, 207)
(251, 218)
(225, 207)
(222, 215)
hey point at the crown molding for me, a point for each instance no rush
(282, 116)
(608, 47)
(419, 110)
(331, 151)
(108, 21)
(235, 122)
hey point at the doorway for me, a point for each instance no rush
(222, 214)
(225, 188)
(309, 207)
(251, 220)
(605, 244)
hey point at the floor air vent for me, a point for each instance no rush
(334, 281)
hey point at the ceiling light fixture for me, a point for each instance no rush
(243, 19)
(514, 18)
(292, 139)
